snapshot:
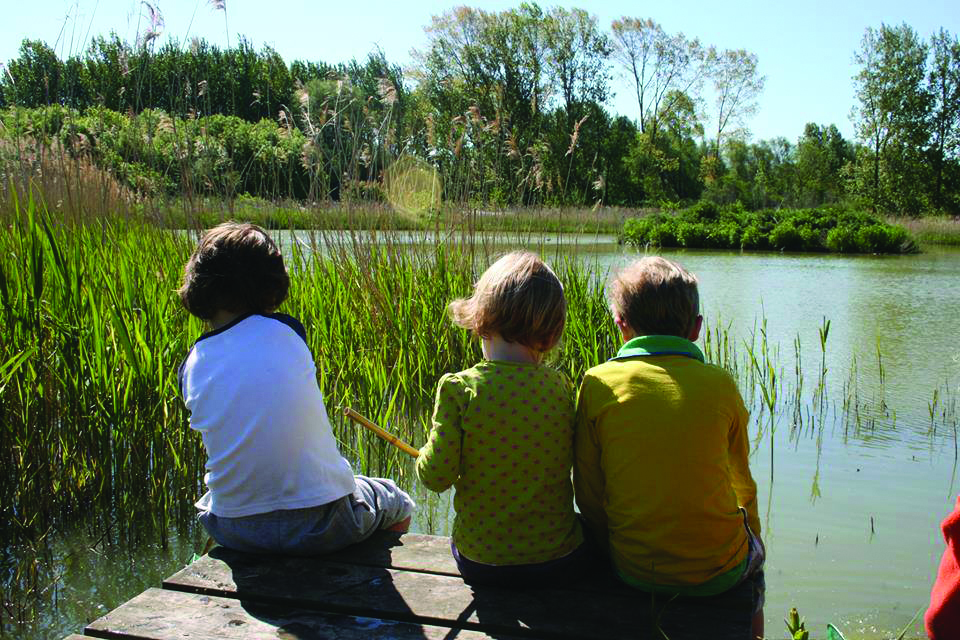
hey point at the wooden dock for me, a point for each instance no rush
(403, 587)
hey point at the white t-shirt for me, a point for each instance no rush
(251, 390)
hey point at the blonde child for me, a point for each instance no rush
(502, 433)
(661, 470)
(276, 482)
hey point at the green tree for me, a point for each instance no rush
(664, 68)
(943, 84)
(34, 78)
(891, 118)
(737, 85)
(822, 154)
(577, 58)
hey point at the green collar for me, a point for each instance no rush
(659, 346)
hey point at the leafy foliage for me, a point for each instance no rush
(509, 108)
(708, 226)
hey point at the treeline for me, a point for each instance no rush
(508, 107)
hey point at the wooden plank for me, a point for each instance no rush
(322, 584)
(158, 614)
(411, 551)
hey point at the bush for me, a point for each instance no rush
(842, 239)
(705, 225)
(692, 234)
(754, 238)
(786, 237)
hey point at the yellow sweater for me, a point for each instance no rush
(660, 467)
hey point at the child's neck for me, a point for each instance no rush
(222, 318)
(496, 348)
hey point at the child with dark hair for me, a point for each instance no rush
(276, 481)
(502, 434)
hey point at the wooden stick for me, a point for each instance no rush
(386, 435)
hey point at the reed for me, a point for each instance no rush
(93, 336)
(92, 428)
(933, 230)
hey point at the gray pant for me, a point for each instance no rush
(376, 503)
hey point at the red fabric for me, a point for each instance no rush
(943, 617)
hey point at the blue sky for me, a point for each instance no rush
(805, 49)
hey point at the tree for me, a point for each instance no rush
(891, 117)
(943, 85)
(663, 67)
(34, 78)
(822, 154)
(667, 166)
(577, 57)
(737, 86)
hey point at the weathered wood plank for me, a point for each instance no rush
(411, 551)
(158, 614)
(322, 584)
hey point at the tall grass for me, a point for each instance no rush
(92, 428)
(933, 230)
(93, 335)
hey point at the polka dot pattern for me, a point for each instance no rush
(502, 435)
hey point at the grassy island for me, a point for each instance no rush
(709, 226)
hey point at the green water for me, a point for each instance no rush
(882, 459)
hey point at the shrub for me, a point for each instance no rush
(842, 239)
(786, 237)
(692, 234)
(754, 238)
(704, 225)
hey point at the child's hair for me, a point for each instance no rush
(518, 297)
(656, 296)
(237, 268)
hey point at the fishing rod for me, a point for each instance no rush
(386, 435)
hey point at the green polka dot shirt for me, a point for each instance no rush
(502, 435)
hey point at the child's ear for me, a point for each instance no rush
(626, 331)
(695, 330)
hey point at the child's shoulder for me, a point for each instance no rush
(613, 370)
(291, 322)
(506, 375)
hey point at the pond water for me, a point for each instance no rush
(860, 481)
(852, 513)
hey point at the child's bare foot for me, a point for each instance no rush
(401, 527)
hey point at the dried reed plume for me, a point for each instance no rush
(575, 135)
